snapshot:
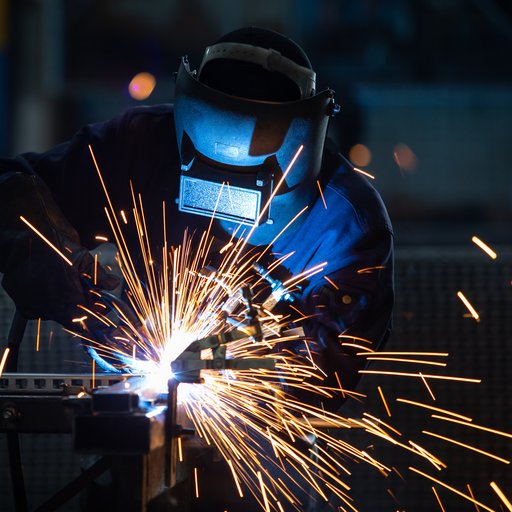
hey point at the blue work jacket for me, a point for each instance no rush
(347, 227)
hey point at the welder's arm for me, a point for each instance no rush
(42, 283)
(359, 304)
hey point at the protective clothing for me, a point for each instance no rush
(352, 233)
(44, 282)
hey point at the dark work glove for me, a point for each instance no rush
(40, 282)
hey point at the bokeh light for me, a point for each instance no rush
(141, 86)
(360, 155)
(405, 158)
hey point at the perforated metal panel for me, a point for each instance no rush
(428, 317)
(49, 461)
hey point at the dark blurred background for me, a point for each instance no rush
(425, 88)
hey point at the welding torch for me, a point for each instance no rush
(279, 292)
(187, 367)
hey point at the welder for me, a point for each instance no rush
(240, 118)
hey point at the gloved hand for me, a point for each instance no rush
(40, 282)
(112, 346)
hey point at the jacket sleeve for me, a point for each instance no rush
(68, 171)
(348, 313)
(46, 278)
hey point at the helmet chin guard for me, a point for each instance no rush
(233, 150)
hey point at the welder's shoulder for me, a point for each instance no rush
(147, 121)
(355, 189)
(150, 111)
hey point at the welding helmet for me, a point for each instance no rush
(240, 119)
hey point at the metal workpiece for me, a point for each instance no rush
(134, 432)
(128, 395)
(35, 414)
(44, 403)
(187, 367)
(129, 427)
(50, 384)
(128, 417)
(139, 437)
(188, 370)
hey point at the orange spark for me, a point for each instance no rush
(429, 354)
(180, 449)
(321, 194)
(101, 238)
(330, 281)
(428, 387)
(102, 181)
(384, 401)
(398, 473)
(484, 247)
(38, 335)
(392, 494)
(4, 359)
(275, 191)
(469, 447)
(471, 309)
(196, 483)
(367, 270)
(226, 247)
(431, 407)
(503, 498)
(95, 279)
(439, 464)
(376, 357)
(235, 478)
(472, 425)
(339, 384)
(446, 486)
(439, 377)
(387, 425)
(123, 215)
(44, 239)
(263, 492)
(102, 318)
(307, 273)
(438, 499)
(350, 337)
(472, 495)
(364, 173)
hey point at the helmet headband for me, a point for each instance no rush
(268, 59)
